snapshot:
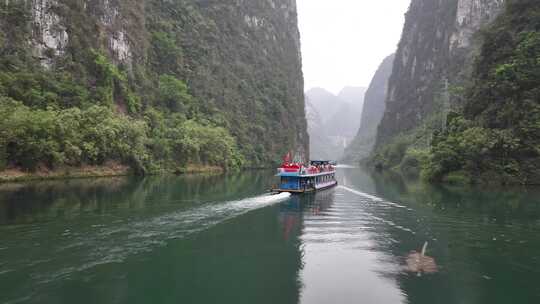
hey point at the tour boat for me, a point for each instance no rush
(299, 178)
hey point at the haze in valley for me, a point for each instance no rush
(343, 44)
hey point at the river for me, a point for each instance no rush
(221, 239)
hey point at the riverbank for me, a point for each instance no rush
(109, 170)
(18, 175)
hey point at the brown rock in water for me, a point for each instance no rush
(420, 263)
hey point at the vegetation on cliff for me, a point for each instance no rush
(497, 135)
(48, 119)
(154, 85)
(493, 135)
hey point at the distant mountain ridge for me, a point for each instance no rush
(333, 121)
(353, 95)
(372, 113)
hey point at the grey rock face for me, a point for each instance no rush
(471, 15)
(437, 43)
(240, 58)
(372, 113)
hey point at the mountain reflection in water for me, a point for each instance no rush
(209, 239)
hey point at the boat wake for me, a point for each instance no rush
(369, 196)
(381, 203)
(344, 166)
(373, 198)
(103, 244)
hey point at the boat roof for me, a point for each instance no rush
(322, 162)
(297, 174)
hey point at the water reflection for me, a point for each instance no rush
(340, 265)
(484, 240)
(47, 200)
(53, 231)
(209, 239)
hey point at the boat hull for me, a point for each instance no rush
(307, 190)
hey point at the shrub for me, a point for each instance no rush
(391, 154)
(69, 137)
(414, 161)
(173, 93)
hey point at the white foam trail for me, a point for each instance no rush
(383, 202)
(114, 244)
(371, 197)
(343, 166)
(392, 224)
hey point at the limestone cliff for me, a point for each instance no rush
(437, 44)
(239, 59)
(495, 136)
(372, 113)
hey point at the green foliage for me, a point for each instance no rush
(408, 152)
(42, 88)
(458, 178)
(472, 150)
(167, 55)
(414, 161)
(14, 17)
(497, 138)
(112, 84)
(210, 144)
(30, 138)
(173, 93)
(391, 155)
(69, 137)
(187, 141)
(81, 105)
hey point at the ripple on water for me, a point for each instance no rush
(100, 244)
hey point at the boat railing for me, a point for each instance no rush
(303, 171)
(308, 172)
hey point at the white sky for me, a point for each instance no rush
(344, 41)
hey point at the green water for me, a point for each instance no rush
(223, 240)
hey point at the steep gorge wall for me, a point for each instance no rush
(372, 113)
(495, 136)
(239, 58)
(437, 44)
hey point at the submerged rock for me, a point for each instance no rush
(419, 262)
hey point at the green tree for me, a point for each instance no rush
(173, 93)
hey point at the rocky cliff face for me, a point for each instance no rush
(372, 113)
(437, 44)
(471, 15)
(240, 59)
(463, 104)
(495, 136)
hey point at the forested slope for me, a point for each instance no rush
(153, 84)
(496, 137)
(476, 116)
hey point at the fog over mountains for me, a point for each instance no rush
(372, 113)
(333, 121)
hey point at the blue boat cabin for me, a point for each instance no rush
(298, 178)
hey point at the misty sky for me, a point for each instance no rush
(344, 41)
